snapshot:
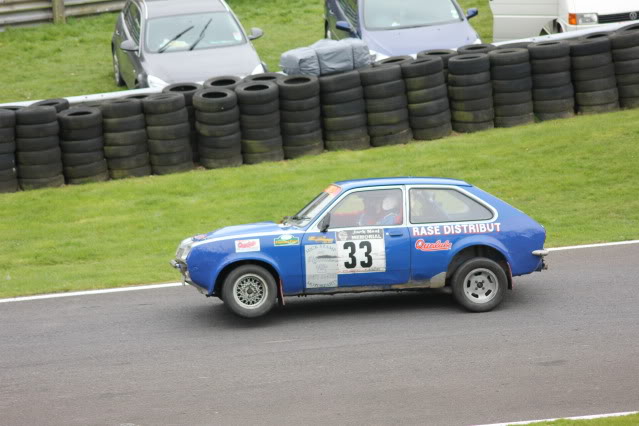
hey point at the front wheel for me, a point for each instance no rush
(479, 284)
(249, 291)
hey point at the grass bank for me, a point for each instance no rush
(629, 420)
(577, 177)
(52, 61)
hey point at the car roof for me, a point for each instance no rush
(408, 180)
(160, 8)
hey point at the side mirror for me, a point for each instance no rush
(129, 46)
(255, 33)
(344, 26)
(472, 12)
(325, 223)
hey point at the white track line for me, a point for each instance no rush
(596, 416)
(156, 286)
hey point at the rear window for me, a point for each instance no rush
(428, 205)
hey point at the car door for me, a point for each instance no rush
(367, 242)
(130, 61)
(439, 218)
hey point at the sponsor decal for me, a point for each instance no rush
(475, 228)
(321, 265)
(286, 240)
(436, 246)
(200, 237)
(244, 246)
(361, 251)
(323, 240)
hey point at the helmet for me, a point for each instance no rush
(389, 203)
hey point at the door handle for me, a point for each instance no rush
(394, 233)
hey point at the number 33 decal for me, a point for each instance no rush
(353, 255)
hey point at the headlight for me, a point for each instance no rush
(184, 249)
(583, 19)
(156, 83)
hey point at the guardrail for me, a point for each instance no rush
(32, 12)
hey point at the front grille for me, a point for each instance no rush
(618, 17)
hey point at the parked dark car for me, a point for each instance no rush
(401, 27)
(159, 42)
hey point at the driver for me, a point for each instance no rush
(387, 212)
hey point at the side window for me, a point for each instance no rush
(444, 205)
(132, 20)
(382, 207)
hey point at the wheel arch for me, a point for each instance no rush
(479, 250)
(226, 270)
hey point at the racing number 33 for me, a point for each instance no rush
(352, 248)
(361, 251)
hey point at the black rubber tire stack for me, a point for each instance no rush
(260, 121)
(470, 49)
(553, 92)
(223, 82)
(8, 174)
(625, 54)
(471, 93)
(593, 74)
(168, 130)
(38, 155)
(344, 112)
(264, 77)
(188, 90)
(125, 140)
(82, 145)
(427, 97)
(444, 54)
(218, 124)
(386, 105)
(60, 104)
(512, 87)
(301, 116)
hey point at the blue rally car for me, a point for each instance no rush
(366, 235)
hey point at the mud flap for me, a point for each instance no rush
(280, 294)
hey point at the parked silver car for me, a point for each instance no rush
(160, 42)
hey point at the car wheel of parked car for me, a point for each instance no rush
(479, 284)
(116, 71)
(249, 291)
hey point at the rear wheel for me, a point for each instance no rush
(116, 70)
(249, 291)
(479, 284)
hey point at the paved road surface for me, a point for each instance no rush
(564, 343)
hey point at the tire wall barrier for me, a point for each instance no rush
(229, 121)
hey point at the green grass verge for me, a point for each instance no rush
(52, 61)
(577, 177)
(629, 420)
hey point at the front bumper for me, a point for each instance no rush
(184, 270)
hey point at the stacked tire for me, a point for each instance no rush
(60, 104)
(8, 175)
(260, 121)
(553, 92)
(471, 93)
(301, 116)
(188, 90)
(386, 105)
(222, 82)
(168, 130)
(512, 87)
(593, 73)
(82, 145)
(625, 54)
(470, 49)
(125, 140)
(217, 120)
(445, 56)
(427, 97)
(38, 155)
(344, 112)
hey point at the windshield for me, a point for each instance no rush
(192, 32)
(390, 15)
(318, 204)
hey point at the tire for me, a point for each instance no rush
(627, 36)
(169, 119)
(28, 184)
(121, 108)
(433, 133)
(348, 144)
(217, 131)
(394, 60)
(475, 48)
(515, 120)
(35, 158)
(40, 171)
(628, 91)
(357, 106)
(389, 117)
(261, 146)
(429, 108)
(549, 49)
(514, 110)
(259, 121)
(596, 85)
(387, 104)
(626, 67)
(36, 115)
(37, 130)
(129, 173)
(9, 186)
(443, 54)
(220, 153)
(175, 131)
(469, 63)
(602, 97)
(357, 133)
(86, 170)
(214, 100)
(7, 148)
(177, 168)
(124, 124)
(512, 56)
(77, 159)
(125, 138)
(593, 73)
(462, 80)
(591, 61)
(479, 116)
(378, 75)
(270, 77)
(511, 72)
(60, 104)
(472, 127)
(302, 104)
(598, 109)
(37, 144)
(229, 82)
(429, 121)
(81, 134)
(298, 87)
(162, 103)
(303, 139)
(171, 159)
(502, 99)
(590, 45)
(629, 103)
(260, 109)
(101, 177)
(509, 86)
(214, 163)
(421, 96)
(385, 90)
(425, 82)
(343, 96)
(256, 92)
(121, 151)
(387, 129)
(293, 152)
(261, 134)
(185, 89)
(340, 82)
(425, 66)
(218, 118)
(7, 161)
(277, 155)
(301, 127)
(470, 92)
(550, 66)
(7, 118)
(236, 286)
(166, 146)
(546, 81)
(554, 93)
(627, 79)
(555, 115)
(475, 272)
(472, 105)
(346, 122)
(80, 118)
(229, 141)
(134, 162)
(403, 137)
(555, 106)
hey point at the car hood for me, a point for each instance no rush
(199, 65)
(408, 41)
(245, 231)
(603, 8)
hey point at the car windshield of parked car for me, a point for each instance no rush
(390, 15)
(208, 30)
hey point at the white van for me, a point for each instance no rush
(516, 19)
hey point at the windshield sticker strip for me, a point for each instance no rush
(477, 228)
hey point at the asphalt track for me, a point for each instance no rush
(564, 343)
